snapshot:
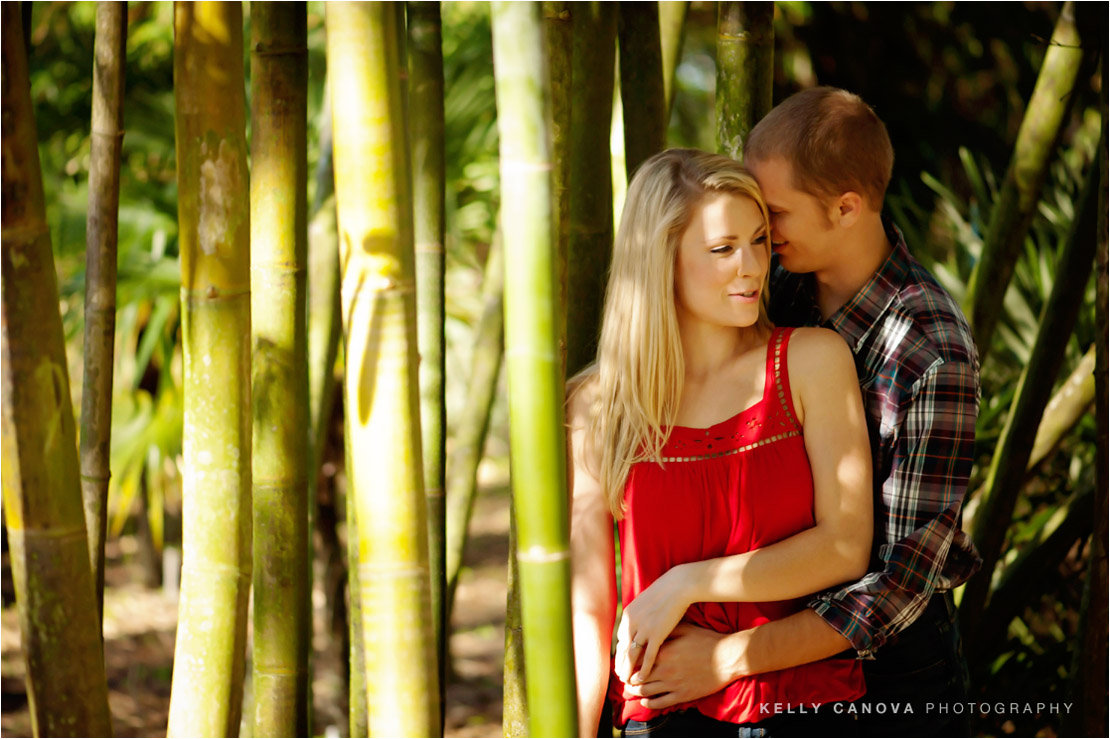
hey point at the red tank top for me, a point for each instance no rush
(742, 484)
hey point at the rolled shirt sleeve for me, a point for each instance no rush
(933, 441)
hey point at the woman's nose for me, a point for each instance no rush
(750, 260)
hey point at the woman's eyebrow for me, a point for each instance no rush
(759, 229)
(715, 239)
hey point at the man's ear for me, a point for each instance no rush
(847, 209)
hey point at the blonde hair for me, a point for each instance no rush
(639, 368)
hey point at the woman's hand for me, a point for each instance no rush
(649, 620)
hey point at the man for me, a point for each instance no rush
(823, 160)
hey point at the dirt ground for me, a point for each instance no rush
(140, 624)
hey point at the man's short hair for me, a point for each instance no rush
(833, 140)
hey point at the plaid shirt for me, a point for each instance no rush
(919, 375)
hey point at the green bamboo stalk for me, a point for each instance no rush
(426, 110)
(279, 167)
(214, 222)
(590, 245)
(470, 436)
(672, 33)
(558, 26)
(643, 92)
(1068, 406)
(535, 385)
(1089, 672)
(381, 387)
(514, 699)
(1021, 190)
(559, 36)
(49, 546)
(1011, 456)
(101, 236)
(745, 71)
(357, 708)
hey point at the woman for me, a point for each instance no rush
(709, 435)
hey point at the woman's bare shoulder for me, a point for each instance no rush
(582, 396)
(819, 362)
(812, 350)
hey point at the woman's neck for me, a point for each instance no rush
(709, 349)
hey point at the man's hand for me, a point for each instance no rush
(692, 664)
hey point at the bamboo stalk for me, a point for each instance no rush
(672, 33)
(1070, 403)
(558, 33)
(100, 277)
(214, 218)
(470, 436)
(590, 245)
(324, 330)
(643, 92)
(514, 699)
(279, 167)
(426, 109)
(1011, 456)
(1068, 406)
(324, 324)
(1089, 673)
(357, 707)
(381, 387)
(1021, 189)
(49, 545)
(745, 71)
(535, 385)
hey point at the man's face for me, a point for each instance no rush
(802, 232)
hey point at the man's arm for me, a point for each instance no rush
(919, 511)
(697, 662)
(919, 515)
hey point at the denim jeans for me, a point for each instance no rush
(917, 678)
(822, 722)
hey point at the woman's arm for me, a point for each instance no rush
(835, 550)
(593, 580)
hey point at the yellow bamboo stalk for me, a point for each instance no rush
(380, 385)
(282, 555)
(214, 236)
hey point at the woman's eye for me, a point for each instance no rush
(762, 238)
(723, 249)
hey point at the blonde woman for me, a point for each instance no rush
(732, 454)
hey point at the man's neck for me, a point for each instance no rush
(860, 257)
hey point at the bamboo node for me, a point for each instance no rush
(61, 532)
(25, 233)
(278, 49)
(429, 247)
(539, 555)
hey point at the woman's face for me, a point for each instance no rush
(722, 262)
